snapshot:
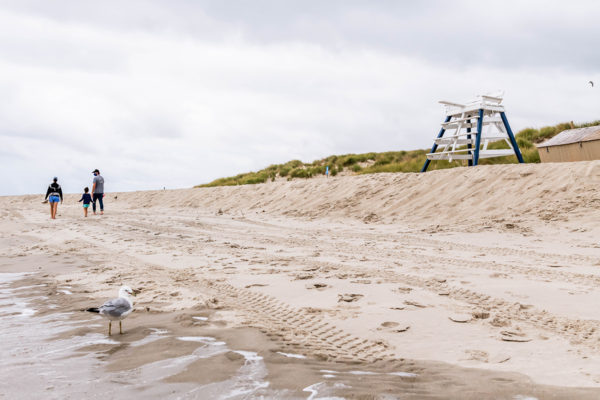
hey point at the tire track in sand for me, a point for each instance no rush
(299, 329)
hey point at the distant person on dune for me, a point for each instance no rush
(55, 193)
(98, 191)
(87, 199)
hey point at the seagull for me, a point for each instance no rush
(116, 309)
(591, 83)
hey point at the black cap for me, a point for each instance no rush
(96, 170)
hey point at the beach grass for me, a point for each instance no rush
(392, 161)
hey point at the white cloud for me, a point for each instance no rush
(175, 106)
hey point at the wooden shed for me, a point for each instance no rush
(572, 145)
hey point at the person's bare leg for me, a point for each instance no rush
(51, 210)
(85, 212)
(55, 209)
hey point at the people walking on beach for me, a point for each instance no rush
(87, 199)
(53, 195)
(98, 191)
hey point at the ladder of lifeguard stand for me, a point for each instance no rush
(484, 112)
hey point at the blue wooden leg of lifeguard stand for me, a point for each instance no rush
(470, 162)
(434, 147)
(478, 138)
(512, 138)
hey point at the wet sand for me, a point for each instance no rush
(57, 350)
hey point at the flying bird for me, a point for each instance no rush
(116, 309)
(591, 83)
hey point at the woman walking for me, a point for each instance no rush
(55, 193)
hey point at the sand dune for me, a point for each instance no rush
(539, 191)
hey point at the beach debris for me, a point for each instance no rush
(404, 289)
(512, 336)
(389, 324)
(439, 279)
(316, 285)
(220, 212)
(304, 276)
(397, 308)
(556, 266)
(461, 318)
(444, 293)
(414, 304)
(402, 328)
(349, 297)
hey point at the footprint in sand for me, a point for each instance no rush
(514, 336)
(318, 286)
(349, 297)
(394, 326)
(460, 318)
(414, 304)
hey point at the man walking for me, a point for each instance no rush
(98, 191)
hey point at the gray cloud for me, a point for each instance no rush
(174, 94)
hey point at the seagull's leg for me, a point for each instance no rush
(120, 329)
(109, 326)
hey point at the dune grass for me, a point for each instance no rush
(392, 161)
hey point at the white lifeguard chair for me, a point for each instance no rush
(486, 114)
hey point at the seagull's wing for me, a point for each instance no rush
(116, 307)
(591, 83)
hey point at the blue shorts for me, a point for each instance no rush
(54, 199)
(86, 205)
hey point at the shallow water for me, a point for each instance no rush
(42, 361)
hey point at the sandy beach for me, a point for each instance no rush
(462, 277)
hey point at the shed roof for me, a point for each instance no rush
(573, 136)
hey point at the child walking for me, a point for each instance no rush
(87, 199)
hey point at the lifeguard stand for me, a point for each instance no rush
(464, 144)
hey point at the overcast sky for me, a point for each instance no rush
(177, 93)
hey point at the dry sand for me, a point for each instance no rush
(494, 267)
